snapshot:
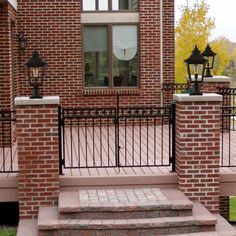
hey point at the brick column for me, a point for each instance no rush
(37, 136)
(7, 40)
(198, 147)
(211, 84)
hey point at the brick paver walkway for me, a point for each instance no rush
(121, 196)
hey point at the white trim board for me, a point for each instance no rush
(109, 17)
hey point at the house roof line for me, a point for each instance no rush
(12, 2)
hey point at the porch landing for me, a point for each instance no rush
(124, 176)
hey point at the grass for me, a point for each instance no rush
(7, 231)
(232, 209)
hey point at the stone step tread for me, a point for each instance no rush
(48, 220)
(223, 228)
(122, 200)
(27, 227)
(196, 234)
(225, 233)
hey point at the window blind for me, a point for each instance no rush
(95, 39)
(125, 42)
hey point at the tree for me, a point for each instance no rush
(224, 59)
(193, 28)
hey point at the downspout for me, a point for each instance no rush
(161, 48)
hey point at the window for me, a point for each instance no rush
(110, 56)
(114, 5)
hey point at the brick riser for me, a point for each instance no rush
(125, 214)
(129, 232)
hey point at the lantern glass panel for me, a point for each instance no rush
(35, 75)
(196, 69)
(210, 62)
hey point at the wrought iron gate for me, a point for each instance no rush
(117, 137)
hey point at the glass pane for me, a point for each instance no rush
(125, 73)
(95, 5)
(124, 5)
(95, 56)
(89, 5)
(103, 5)
(125, 59)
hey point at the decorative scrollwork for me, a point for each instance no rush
(228, 111)
(7, 115)
(174, 87)
(136, 112)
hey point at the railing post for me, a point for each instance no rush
(59, 141)
(117, 132)
(173, 158)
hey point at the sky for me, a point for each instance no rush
(224, 13)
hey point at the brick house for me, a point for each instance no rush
(92, 50)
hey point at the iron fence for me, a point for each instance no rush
(8, 149)
(229, 102)
(168, 89)
(228, 136)
(116, 137)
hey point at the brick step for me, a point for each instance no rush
(49, 224)
(123, 203)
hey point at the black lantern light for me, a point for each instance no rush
(196, 64)
(35, 72)
(210, 56)
(22, 40)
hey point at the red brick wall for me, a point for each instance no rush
(7, 20)
(37, 136)
(198, 151)
(54, 29)
(211, 87)
(224, 207)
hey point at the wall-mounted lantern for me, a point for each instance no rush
(210, 56)
(196, 65)
(22, 40)
(35, 72)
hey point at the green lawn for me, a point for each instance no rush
(232, 209)
(7, 231)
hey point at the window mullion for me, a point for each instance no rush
(109, 5)
(96, 5)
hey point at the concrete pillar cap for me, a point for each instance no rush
(206, 97)
(21, 101)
